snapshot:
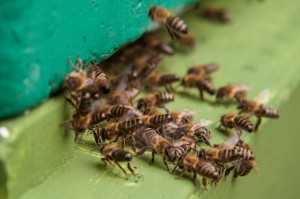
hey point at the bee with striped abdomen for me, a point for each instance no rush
(112, 152)
(231, 92)
(239, 122)
(149, 102)
(173, 24)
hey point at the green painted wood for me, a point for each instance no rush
(37, 37)
(251, 50)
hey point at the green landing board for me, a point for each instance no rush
(260, 48)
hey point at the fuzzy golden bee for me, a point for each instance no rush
(165, 18)
(231, 92)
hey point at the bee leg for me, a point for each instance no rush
(201, 94)
(257, 124)
(165, 163)
(167, 89)
(204, 182)
(227, 172)
(173, 171)
(194, 177)
(104, 161)
(121, 168)
(181, 174)
(96, 137)
(70, 101)
(152, 159)
(130, 168)
(133, 143)
(142, 151)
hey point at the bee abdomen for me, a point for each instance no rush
(270, 112)
(177, 24)
(85, 104)
(164, 97)
(132, 93)
(168, 79)
(130, 125)
(98, 117)
(243, 123)
(120, 155)
(118, 111)
(207, 86)
(247, 154)
(229, 155)
(161, 119)
(206, 169)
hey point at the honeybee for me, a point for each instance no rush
(161, 146)
(205, 85)
(156, 121)
(76, 80)
(231, 92)
(173, 24)
(157, 79)
(203, 70)
(124, 97)
(258, 109)
(225, 155)
(244, 167)
(100, 78)
(151, 101)
(217, 14)
(197, 131)
(154, 42)
(182, 117)
(186, 40)
(83, 116)
(118, 129)
(206, 169)
(239, 122)
(112, 152)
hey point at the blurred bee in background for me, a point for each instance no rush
(150, 101)
(172, 23)
(151, 40)
(206, 169)
(239, 122)
(231, 92)
(156, 79)
(258, 108)
(217, 14)
(112, 152)
(198, 77)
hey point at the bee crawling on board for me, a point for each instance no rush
(206, 169)
(150, 101)
(238, 122)
(174, 25)
(112, 152)
(258, 108)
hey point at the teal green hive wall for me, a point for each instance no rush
(37, 37)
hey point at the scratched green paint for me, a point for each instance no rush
(37, 37)
(251, 51)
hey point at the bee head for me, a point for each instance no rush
(71, 83)
(201, 153)
(106, 87)
(103, 135)
(242, 105)
(140, 104)
(221, 93)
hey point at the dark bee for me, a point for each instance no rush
(111, 152)
(239, 122)
(216, 14)
(156, 121)
(173, 24)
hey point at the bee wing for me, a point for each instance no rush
(201, 123)
(263, 97)
(232, 139)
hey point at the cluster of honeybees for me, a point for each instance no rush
(109, 107)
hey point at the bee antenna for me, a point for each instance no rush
(71, 64)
